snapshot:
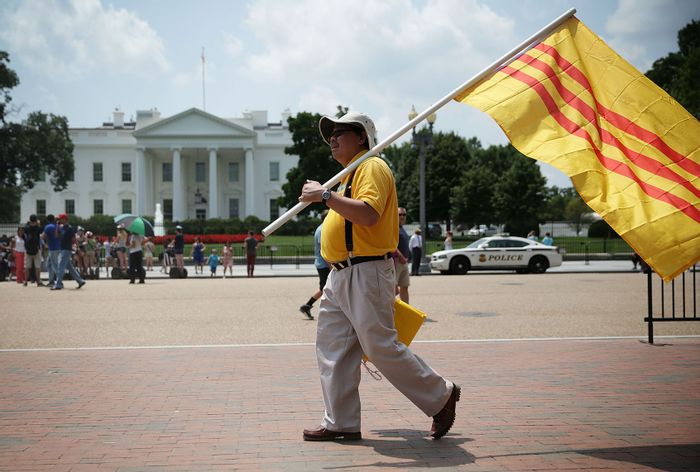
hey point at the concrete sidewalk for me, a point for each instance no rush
(265, 269)
(615, 404)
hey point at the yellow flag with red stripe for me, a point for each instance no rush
(631, 151)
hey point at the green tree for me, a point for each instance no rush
(445, 160)
(578, 213)
(402, 161)
(519, 192)
(679, 72)
(555, 201)
(315, 159)
(472, 201)
(8, 81)
(40, 144)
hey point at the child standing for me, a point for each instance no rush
(213, 262)
(228, 258)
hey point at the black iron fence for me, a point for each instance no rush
(675, 301)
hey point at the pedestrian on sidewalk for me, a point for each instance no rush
(122, 239)
(356, 312)
(213, 262)
(148, 249)
(32, 247)
(136, 259)
(18, 248)
(416, 246)
(227, 254)
(322, 269)
(198, 255)
(251, 251)
(166, 255)
(448, 241)
(401, 256)
(547, 240)
(179, 249)
(53, 242)
(67, 233)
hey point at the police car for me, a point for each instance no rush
(498, 253)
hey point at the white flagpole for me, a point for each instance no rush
(509, 56)
(204, 84)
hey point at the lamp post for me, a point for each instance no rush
(422, 141)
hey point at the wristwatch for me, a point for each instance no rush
(325, 196)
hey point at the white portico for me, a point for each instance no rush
(195, 164)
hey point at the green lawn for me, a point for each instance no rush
(291, 246)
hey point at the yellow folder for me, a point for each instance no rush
(407, 320)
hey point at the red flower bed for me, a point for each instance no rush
(205, 238)
(209, 238)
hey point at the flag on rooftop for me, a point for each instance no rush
(631, 151)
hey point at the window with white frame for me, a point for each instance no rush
(98, 207)
(233, 171)
(274, 209)
(126, 171)
(126, 205)
(274, 171)
(167, 172)
(97, 172)
(41, 207)
(200, 172)
(70, 206)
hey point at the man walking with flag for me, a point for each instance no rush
(356, 312)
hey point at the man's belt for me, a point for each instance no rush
(357, 260)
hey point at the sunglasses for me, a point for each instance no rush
(402, 214)
(339, 132)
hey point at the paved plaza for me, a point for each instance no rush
(202, 374)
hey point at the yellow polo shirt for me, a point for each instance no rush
(374, 184)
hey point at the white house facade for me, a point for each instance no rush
(195, 164)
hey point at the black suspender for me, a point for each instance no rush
(348, 223)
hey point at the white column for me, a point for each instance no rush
(141, 198)
(178, 202)
(249, 183)
(213, 185)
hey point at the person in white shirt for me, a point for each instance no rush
(415, 244)
(448, 241)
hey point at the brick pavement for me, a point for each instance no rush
(526, 405)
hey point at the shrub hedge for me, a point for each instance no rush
(103, 225)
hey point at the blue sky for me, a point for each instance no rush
(84, 58)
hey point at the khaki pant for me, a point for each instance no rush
(356, 315)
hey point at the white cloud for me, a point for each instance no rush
(71, 39)
(379, 57)
(232, 45)
(333, 40)
(634, 22)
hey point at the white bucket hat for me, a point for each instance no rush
(327, 123)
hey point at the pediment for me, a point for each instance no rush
(193, 123)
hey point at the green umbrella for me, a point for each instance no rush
(135, 224)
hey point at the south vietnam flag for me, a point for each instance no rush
(632, 152)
